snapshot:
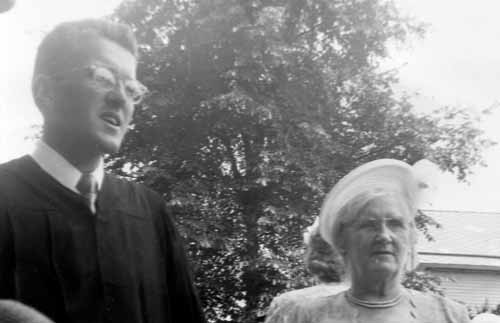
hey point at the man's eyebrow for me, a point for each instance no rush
(113, 69)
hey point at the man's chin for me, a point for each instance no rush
(109, 145)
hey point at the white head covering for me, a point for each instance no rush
(486, 318)
(382, 175)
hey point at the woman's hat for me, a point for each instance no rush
(382, 175)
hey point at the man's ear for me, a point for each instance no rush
(44, 93)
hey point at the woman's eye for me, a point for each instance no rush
(396, 223)
(367, 224)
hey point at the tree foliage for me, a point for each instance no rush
(256, 109)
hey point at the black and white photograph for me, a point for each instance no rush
(240, 161)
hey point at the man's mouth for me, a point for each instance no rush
(111, 118)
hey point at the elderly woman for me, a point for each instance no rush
(368, 217)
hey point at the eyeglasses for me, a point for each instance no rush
(106, 79)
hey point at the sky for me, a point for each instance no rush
(456, 63)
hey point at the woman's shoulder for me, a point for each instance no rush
(315, 292)
(305, 305)
(435, 306)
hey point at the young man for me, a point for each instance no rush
(75, 243)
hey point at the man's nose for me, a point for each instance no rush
(116, 98)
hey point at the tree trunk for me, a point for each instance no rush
(251, 277)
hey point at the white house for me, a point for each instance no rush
(465, 254)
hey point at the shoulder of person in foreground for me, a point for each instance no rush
(437, 308)
(304, 305)
(16, 312)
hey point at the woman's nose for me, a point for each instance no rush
(383, 232)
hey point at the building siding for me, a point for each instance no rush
(472, 287)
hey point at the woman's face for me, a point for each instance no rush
(379, 239)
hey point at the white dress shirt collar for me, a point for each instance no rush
(62, 170)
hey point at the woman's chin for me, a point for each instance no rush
(383, 267)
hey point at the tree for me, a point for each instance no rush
(256, 109)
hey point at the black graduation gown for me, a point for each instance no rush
(124, 264)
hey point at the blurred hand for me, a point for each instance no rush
(6, 5)
(16, 312)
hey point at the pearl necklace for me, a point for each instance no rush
(373, 304)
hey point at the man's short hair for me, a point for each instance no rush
(62, 46)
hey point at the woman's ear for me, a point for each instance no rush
(44, 93)
(412, 259)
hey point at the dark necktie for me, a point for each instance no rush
(87, 186)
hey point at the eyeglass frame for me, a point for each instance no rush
(117, 79)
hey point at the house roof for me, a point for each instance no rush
(464, 240)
